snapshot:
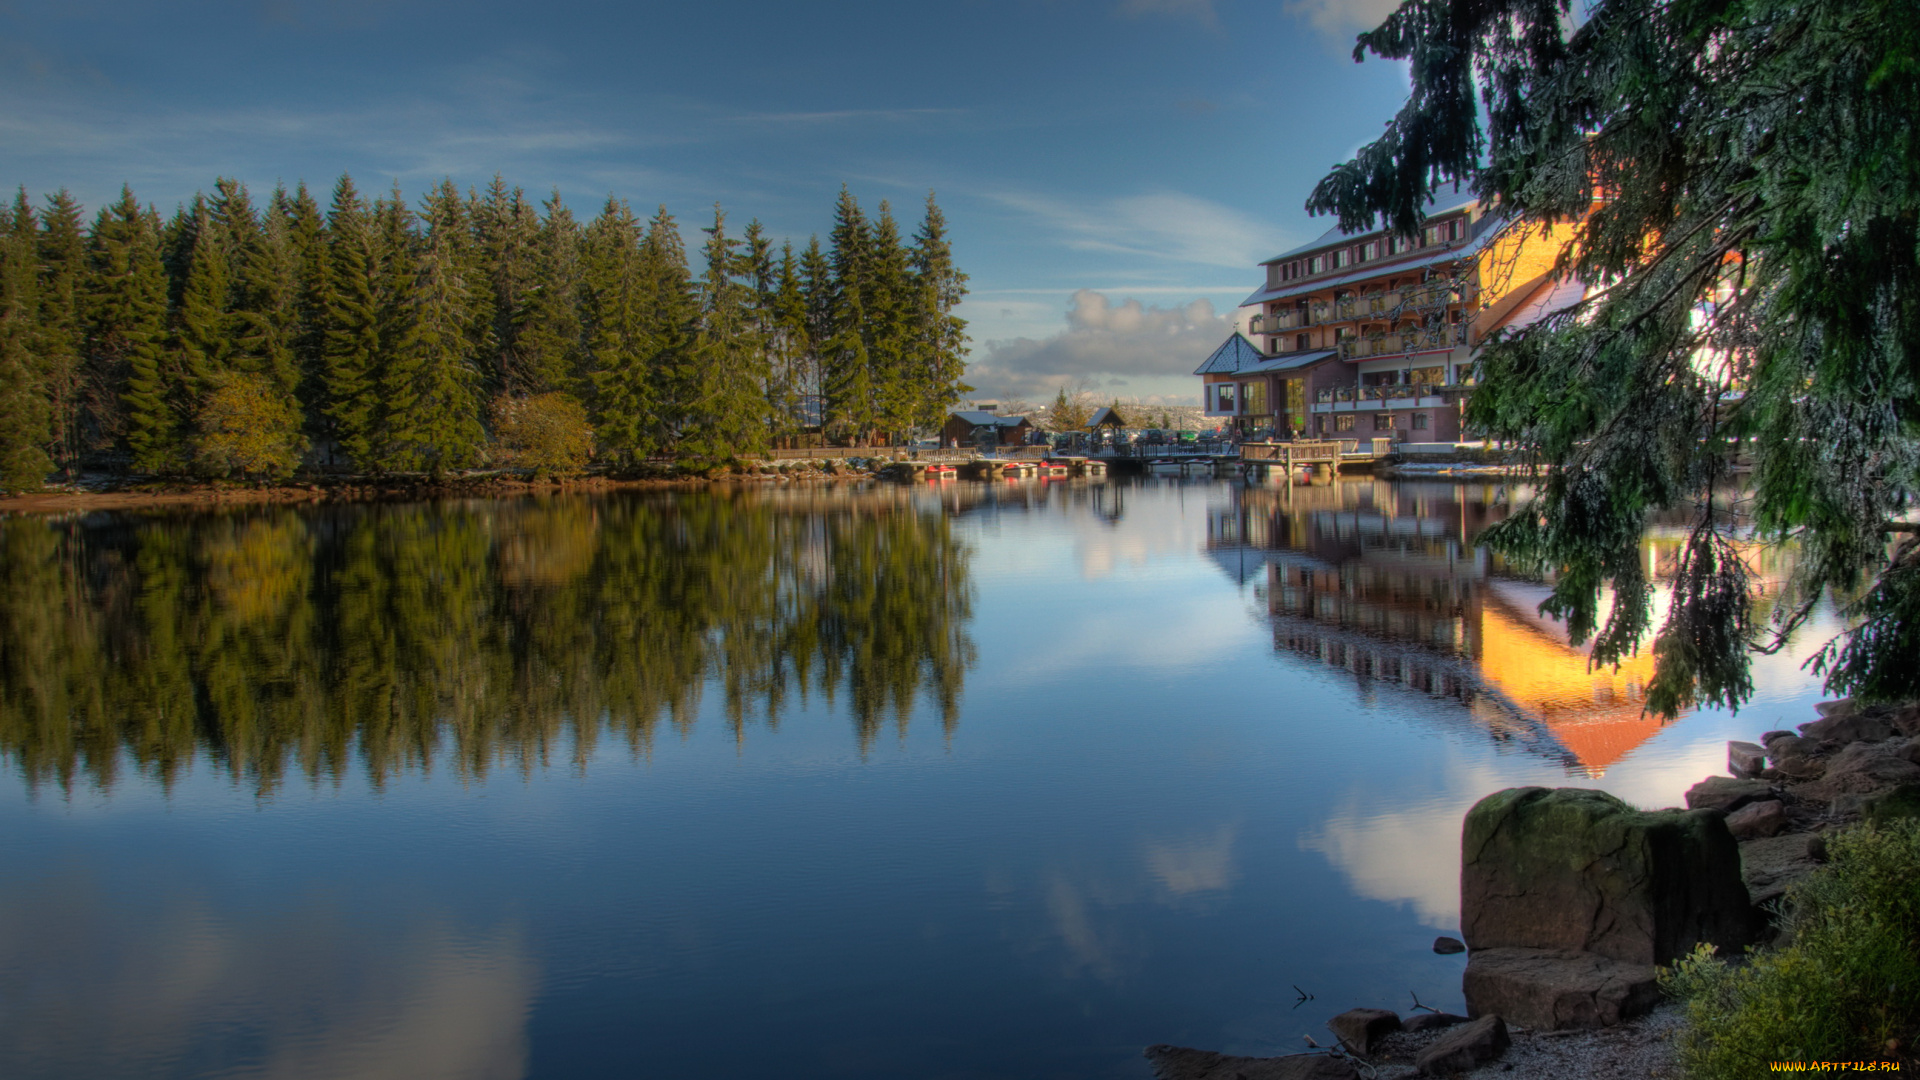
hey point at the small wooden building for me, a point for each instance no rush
(972, 427)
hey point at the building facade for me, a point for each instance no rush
(1370, 335)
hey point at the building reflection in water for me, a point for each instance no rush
(1382, 579)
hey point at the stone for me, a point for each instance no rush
(1745, 759)
(1901, 802)
(1770, 865)
(1767, 739)
(1726, 793)
(1867, 766)
(1848, 726)
(1910, 750)
(1447, 946)
(1553, 989)
(1362, 1029)
(1431, 1021)
(1754, 820)
(1835, 707)
(1186, 1063)
(1577, 869)
(1465, 1047)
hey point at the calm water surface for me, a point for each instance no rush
(971, 781)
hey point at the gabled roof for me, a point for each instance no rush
(979, 418)
(1105, 416)
(1439, 204)
(1551, 298)
(1234, 354)
(1369, 270)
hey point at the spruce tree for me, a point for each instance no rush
(940, 336)
(430, 383)
(350, 309)
(307, 240)
(889, 329)
(619, 345)
(847, 382)
(788, 382)
(550, 338)
(670, 315)
(396, 358)
(24, 429)
(125, 309)
(62, 252)
(507, 255)
(724, 399)
(817, 293)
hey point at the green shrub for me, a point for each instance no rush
(1848, 982)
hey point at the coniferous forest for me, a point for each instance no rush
(377, 336)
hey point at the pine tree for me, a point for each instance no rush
(847, 382)
(351, 318)
(24, 429)
(817, 292)
(62, 251)
(788, 381)
(722, 416)
(125, 309)
(431, 381)
(507, 234)
(940, 337)
(889, 328)
(307, 241)
(619, 345)
(670, 315)
(550, 338)
(396, 357)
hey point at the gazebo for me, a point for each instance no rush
(1107, 418)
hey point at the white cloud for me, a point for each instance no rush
(1341, 17)
(1165, 225)
(1104, 344)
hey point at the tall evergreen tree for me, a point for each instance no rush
(817, 293)
(307, 241)
(133, 387)
(889, 329)
(724, 399)
(507, 256)
(788, 384)
(847, 370)
(351, 307)
(940, 336)
(550, 338)
(62, 253)
(24, 428)
(670, 316)
(620, 344)
(430, 383)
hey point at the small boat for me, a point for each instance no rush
(1054, 468)
(941, 472)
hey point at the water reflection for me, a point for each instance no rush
(183, 984)
(477, 633)
(1382, 579)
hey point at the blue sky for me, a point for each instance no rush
(1112, 170)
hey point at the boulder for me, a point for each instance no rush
(1849, 726)
(1754, 820)
(1910, 750)
(1770, 865)
(1745, 759)
(1551, 989)
(1430, 1021)
(1576, 869)
(1464, 1047)
(1726, 793)
(1796, 756)
(1185, 1063)
(1362, 1029)
(1447, 946)
(1870, 766)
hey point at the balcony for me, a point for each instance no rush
(1281, 322)
(1404, 341)
(1412, 396)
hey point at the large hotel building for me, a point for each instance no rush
(1369, 335)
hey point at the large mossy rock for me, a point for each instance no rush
(1571, 868)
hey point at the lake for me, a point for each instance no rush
(966, 780)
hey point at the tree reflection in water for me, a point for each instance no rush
(476, 633)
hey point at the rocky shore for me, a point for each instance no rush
(1572, 900)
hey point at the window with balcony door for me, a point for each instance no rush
(1303, 342)
(1318, 263)
(1383, 421)
(1343, 422)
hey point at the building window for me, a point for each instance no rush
(1320, 422)
(1224, 397)
(1317, 264)
(1419, 421)
(1343, 422)
(1383, 421)
(1253, 398)
(1303, 342)
(1370, 251)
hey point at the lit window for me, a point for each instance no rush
(1343, 422)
